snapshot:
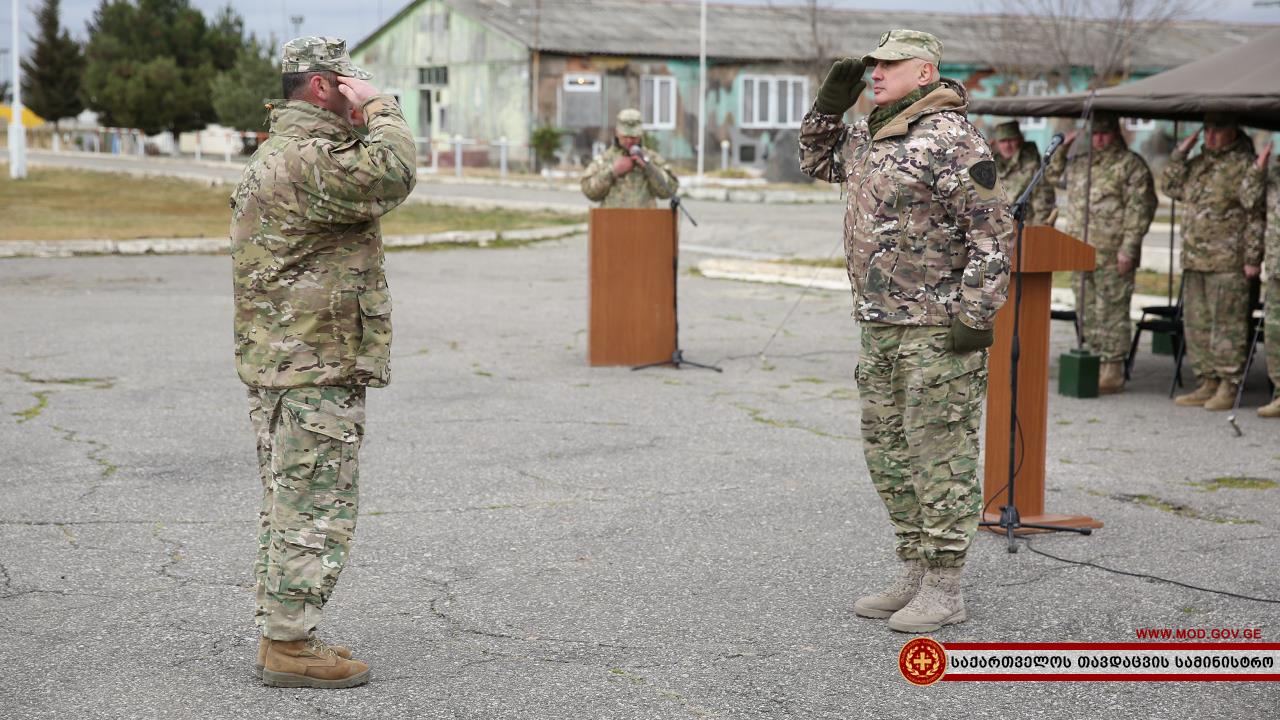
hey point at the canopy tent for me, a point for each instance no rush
(1243, 80)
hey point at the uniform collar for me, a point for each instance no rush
(299, 118)
(950, 97)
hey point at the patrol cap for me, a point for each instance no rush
(1219, 120)
(1106, 122)
(630, 123)
(1008, 130)
(903, 44)
(319, 54)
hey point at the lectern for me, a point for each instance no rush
(632, 254)
(1045, 251)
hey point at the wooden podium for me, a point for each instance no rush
(632, 256)
(1046, 250)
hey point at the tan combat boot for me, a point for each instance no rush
(896, 595)
(938, 603)
(343, 652)
(310, 663)
(1224, 398)
(1200, 395)
(1111, 378)
(1271, 409)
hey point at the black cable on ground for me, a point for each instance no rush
(1086, 563)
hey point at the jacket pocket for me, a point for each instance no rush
(373, 361)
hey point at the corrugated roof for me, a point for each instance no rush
(669, 28)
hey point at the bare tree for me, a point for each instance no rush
(817, 44)
(1050, 37)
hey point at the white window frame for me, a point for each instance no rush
(1139, 124)
(582, 82)
(654, 84)
(779, 114)
(1033, 87)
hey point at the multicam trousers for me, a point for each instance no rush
(921, 412)
(308, 442)
(1105, 305)
(1214, 315)
(1271, 331)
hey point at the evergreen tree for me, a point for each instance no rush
(51, 75)
(239, 93)
(150, 63)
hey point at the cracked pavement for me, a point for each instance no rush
(541, 539)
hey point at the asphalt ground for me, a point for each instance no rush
(542, 539)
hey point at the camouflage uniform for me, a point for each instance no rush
(1121, 204)
(926, 242)
(313, 327)
(1261, 188)
(1220, 235)
(639, 188)
(1015, 174)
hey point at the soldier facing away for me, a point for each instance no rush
(621, 178)
(1017, 161)
(312, 331)
(926, 244)
(1261, 188)
(1221, 252)
(1121, 202)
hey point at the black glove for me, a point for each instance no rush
(842, 87)
(964, 339)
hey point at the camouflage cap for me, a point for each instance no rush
(630, 123)
(316, 54)
(1008, 130)
(1105, 122)
(1220, 120)
(903, 44)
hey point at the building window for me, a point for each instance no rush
(658, 101)
(1028, 89)
(1139, 124)
(774, 101)
(582, 82)
(438, 75)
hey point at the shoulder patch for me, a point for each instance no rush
(983, 173)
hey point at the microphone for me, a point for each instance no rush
(1054, 144)
(637, 152)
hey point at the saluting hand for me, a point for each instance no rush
(1265, 155)
(1189, 142)
(843, 86)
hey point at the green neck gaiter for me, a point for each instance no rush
(882, 115)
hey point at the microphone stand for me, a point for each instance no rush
(677, 356)
(1010, 521)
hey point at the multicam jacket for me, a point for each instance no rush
(1221, 232)
(1261, 189)
(927, 228)
(1121, 198)
(639, 188)
(1016, 172)
(312, 305)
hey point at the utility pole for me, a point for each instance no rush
(297, 24)
(17, 133)
(702, 88)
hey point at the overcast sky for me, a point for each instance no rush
(354, 19)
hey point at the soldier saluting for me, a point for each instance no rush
(312, 331)
(926, 244)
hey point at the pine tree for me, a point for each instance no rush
(238, 94)
(150, 63)
(51, 75)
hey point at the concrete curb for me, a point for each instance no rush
(215, 246)
(836, 279)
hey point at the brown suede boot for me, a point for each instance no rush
(1200, 395)
(1224, 398)
(1271, 409)
(343, 652)
(896, 595)
(310, 663)
(1111, 378)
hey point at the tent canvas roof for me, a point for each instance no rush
(1244, 80)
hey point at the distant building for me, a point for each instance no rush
(488, 69)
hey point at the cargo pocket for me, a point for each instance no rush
(373, 361)
(297, 569)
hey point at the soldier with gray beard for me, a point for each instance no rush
(1017, 162)
(312, 331)
(1120, 196)
(926, 244)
